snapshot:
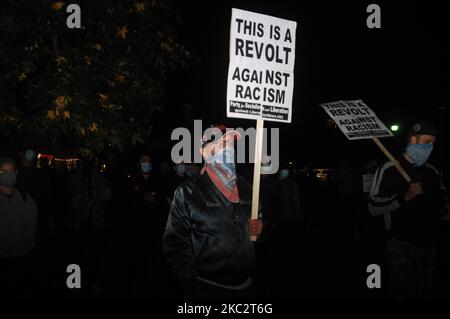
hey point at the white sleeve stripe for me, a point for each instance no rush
(377, 180)
(380, 200)
(433, 168)
(376, 210)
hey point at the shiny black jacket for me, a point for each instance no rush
(207, 235)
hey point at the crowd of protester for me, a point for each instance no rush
(318, 239)
(108, 221)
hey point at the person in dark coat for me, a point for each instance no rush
(207, 238)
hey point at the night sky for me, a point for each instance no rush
(402, 71)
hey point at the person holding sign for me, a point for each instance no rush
(412, 213)
(207, 237)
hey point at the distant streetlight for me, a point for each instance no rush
(394, 128)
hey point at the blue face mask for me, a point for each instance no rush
(419, 153)
(225, 159)
(284, 173)
(146, 167)
(223, 156)
(29, 155)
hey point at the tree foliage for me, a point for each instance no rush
(85, 90)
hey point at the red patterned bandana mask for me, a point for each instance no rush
(221, 168)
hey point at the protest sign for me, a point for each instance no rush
(261, 69)
(260, 76)
(357, 121)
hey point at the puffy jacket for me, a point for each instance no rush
(208, 236)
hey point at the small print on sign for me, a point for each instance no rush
(261, 69)
(356, 120)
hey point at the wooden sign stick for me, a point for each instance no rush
(392, 159)
(257, 170)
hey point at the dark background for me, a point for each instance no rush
(401, 71)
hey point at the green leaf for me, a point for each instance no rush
(137, 139)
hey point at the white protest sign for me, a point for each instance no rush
(356, 120)
(261, 69)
